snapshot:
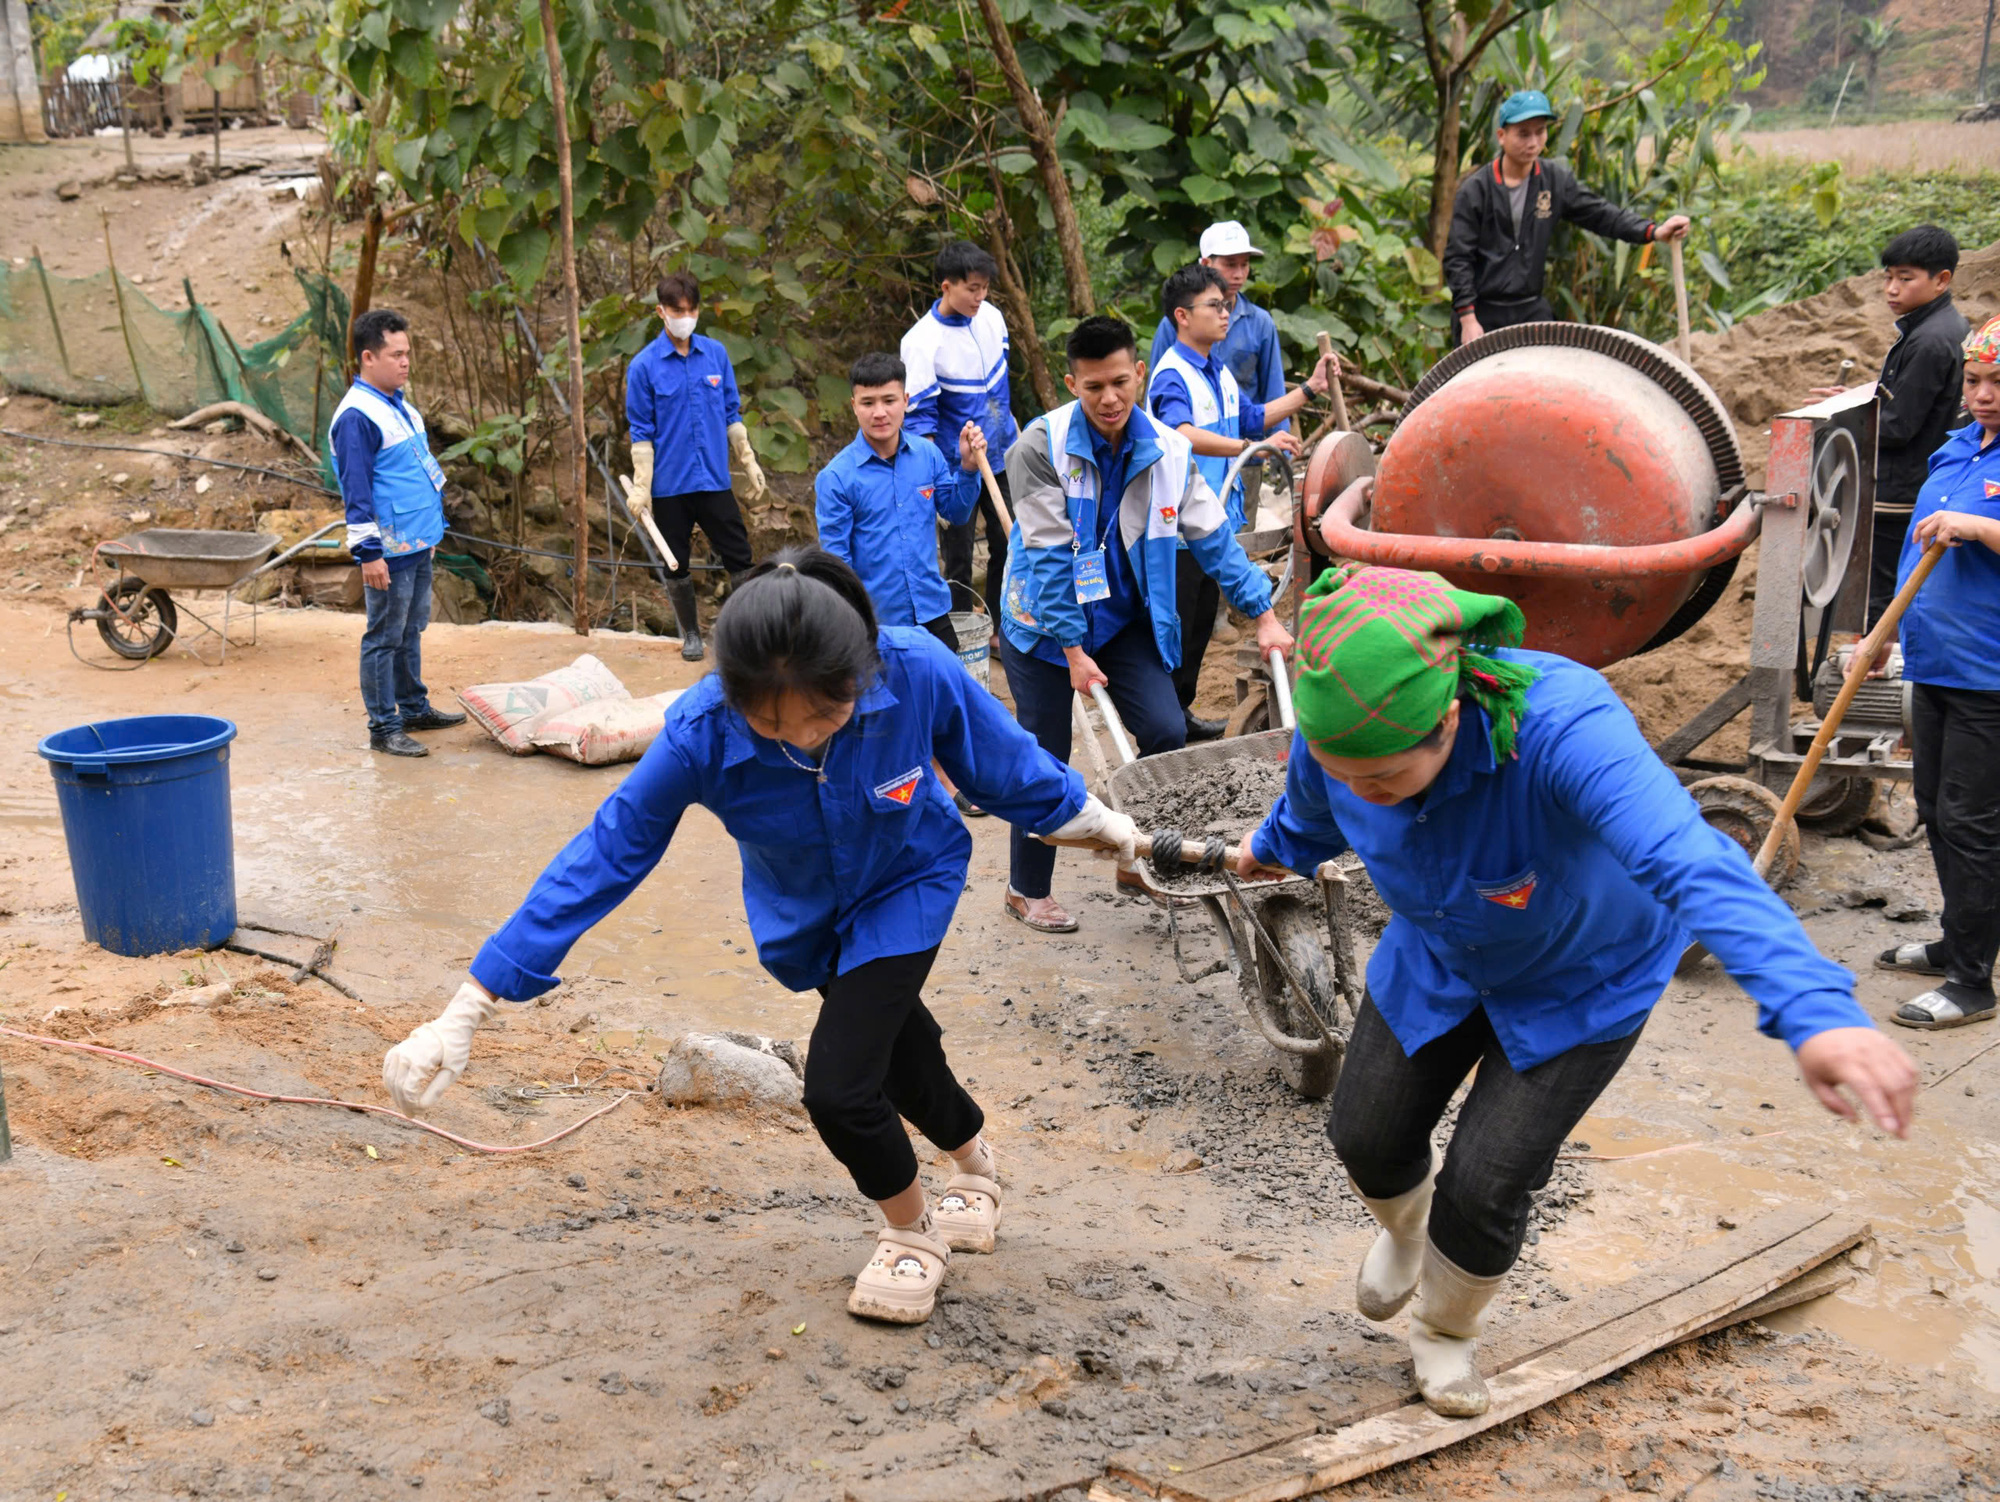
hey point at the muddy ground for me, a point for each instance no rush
(206, 1296)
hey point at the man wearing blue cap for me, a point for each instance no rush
(1505, 214)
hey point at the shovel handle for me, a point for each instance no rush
(993, 495)
(644, 512)
(1679, 264)
(1325, 342)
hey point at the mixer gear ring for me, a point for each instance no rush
(1833, 516)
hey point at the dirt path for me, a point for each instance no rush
(655, 1307)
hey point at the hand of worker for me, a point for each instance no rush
(971, 447)
(1324, 374)
(1112, 832)
(1862, 1060)
(375, 574)
(1469, 327)
(1287, 441)
(639, 489)
(746, 459)
(1824, 391)
(1954, 527)
(1272, 635)
(423, 1066)
(1675, 228)
(1083, 672)
(1249, 868)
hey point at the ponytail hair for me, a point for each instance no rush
(800, 621)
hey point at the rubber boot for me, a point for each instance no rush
(736, 578)
(680, 594)
(1389, 1272)
(1444, 1333)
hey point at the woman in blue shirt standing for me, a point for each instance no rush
(1544, 870)
(813, 743)
(1951, 655)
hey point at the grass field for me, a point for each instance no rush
(1885, 146)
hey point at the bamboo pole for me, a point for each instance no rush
(118, 291)
(49, 301)
(579, 438)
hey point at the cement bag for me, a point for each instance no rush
(510, 711)
(607, 731)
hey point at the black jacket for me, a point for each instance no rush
(1917, 396)
(1484, 261)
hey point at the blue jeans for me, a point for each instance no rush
(392, 683)
(1144, 695)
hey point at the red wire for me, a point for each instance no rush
(313, 1100)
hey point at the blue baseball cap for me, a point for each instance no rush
(1527, 104)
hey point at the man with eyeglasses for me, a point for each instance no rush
(1194, 391)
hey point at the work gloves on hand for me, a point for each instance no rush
(1114, 832)
(746, 460)
(423, 1066)
(639, 484)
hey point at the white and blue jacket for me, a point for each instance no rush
(867, 864)
(389, 482)
(1556, 890)
(1206, 395)
(1053, 477)
(956, 372)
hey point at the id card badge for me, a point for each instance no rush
(1092, 582)
(432, 470)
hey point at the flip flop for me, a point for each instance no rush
(968, 1213)
(1934, 1011)
(1039, 925)
(1908, 959)
(900, 1283)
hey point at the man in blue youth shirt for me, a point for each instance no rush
(956, 359)
(686, 424)
(391, 487)
(880, 500)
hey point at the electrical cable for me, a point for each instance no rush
(316, 1100)
(140, 448)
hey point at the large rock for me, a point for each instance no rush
(732, 1069)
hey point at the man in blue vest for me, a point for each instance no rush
(393, 490)
(1090, 590)
(1194, 392)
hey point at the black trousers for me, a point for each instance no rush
(1503, 1148)
(955, 548)
(1504, 315)
(1885, 552)
(877, 1059)
(1197, 597)
(944, 631)
(716, 513)
(1956, 745)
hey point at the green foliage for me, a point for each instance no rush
(60, 28)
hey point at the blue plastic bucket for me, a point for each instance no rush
(145, 809)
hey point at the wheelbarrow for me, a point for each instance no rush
(138, 617)
(1289, 940)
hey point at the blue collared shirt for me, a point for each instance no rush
(881, 515)
(867, 864)
(683, 405)
(1951, 632)
(1105, 618)
(1173, 405)
(1249, 349)
(1556, 891)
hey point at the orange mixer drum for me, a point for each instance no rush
(1614, 446)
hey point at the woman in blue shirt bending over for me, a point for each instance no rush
(1544, 870)
(813, 742)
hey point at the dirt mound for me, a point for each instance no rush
(1766, 365)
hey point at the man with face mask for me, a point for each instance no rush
(686, 424)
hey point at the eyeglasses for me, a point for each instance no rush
(1212, 304)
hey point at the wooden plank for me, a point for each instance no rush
(1704, 1294)
(1828, 1277)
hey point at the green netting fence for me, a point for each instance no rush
(98, 340)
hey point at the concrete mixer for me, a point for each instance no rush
(1597, 480)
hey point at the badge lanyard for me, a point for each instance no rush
(1093, 581)
(432, 471)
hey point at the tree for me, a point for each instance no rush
(1873, 36)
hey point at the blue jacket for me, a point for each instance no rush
(389, 483)
(1557, 891)
(1202, 390)
(1052, 474)
(867, 864)
(1249, 349)
(881, 517)
(955, 370)
(683, 405)
(1951, 632)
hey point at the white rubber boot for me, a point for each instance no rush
(1444, 1330)
(1389, 1272)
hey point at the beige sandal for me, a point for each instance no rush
(900, 1283)
(968, 1213)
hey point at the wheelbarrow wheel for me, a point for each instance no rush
(140, 622)
(1251, 716)
(1295, 927)
(1745, 811)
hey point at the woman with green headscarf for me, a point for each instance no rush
(1545, 870)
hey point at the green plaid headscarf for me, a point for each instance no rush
(1383, 652)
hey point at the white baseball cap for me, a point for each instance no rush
(1227, 239)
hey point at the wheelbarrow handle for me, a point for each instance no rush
(1114, 724)
(1281, 690)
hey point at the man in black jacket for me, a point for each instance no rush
(1917, 394)
(1505, 214)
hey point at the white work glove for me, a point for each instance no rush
(423, 1066)
(1106, 827)
(746, 459)
(639, 484)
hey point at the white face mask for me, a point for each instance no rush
(680, 328)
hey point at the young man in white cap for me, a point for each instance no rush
(1505, 215)
(1250, 351)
